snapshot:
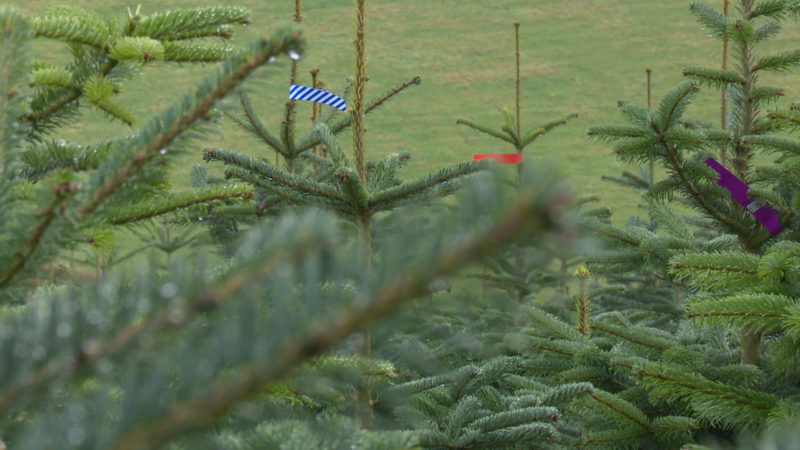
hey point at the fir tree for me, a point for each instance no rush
(682, 145)
(509, 271)
(317, 326)
(138, 359)
(355, 189)
(746, 395)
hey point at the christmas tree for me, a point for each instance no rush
(304, 310)
(136, 359)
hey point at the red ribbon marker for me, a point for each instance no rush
(502, 158)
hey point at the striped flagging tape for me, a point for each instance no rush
(316, 95)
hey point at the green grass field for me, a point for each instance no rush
(578, 56)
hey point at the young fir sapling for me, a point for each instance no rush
(139, 359)
(738, 275)
(511, 272)
(681, 145)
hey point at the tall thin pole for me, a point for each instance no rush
(649, 106)
(516, 41)
(724, 105)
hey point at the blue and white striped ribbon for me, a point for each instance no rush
(316, 95)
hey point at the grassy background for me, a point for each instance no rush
(578, 56)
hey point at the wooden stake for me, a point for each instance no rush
(650, 106)
(724, 105)
(314, 73)
(357, 112)
(516, 41)
(297, 17)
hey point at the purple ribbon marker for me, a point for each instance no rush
(738, 189)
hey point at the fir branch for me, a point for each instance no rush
(178, 201)
(388, 198)
(615, 439)
(535, 435)
(714, 77)
(628, 180)
(486, 130)
(717, 401)
(761, 235)
(671, 107)
(623, 409)
(403, 390)
(183, 23)
(68, 97)
(272, 174)
(783, 62)
(194, 52)
(173, 127)
(633, 335)
(286, 192)
(760, 312)
(326, 136)
(556, 325)
(766, 31)
(357, 194)
(565, 393)
(136, 49)
(15, 34)
(52, 76)
(29, 246)
(223, 31)
(159, 322)
(610, 231)
(562, 347)
(44, 157)
(710, 18)
(731, 270)
(507, 419)
(742, 32)
(99, 91)
(71, 29)
(691, 267)
(695, 193)
(772, 143)
(790, 118)
(534, 134)
(615, 132)
(638, 151)
(764, 94)
(343, 123)
(257, 126)
(774, 9)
